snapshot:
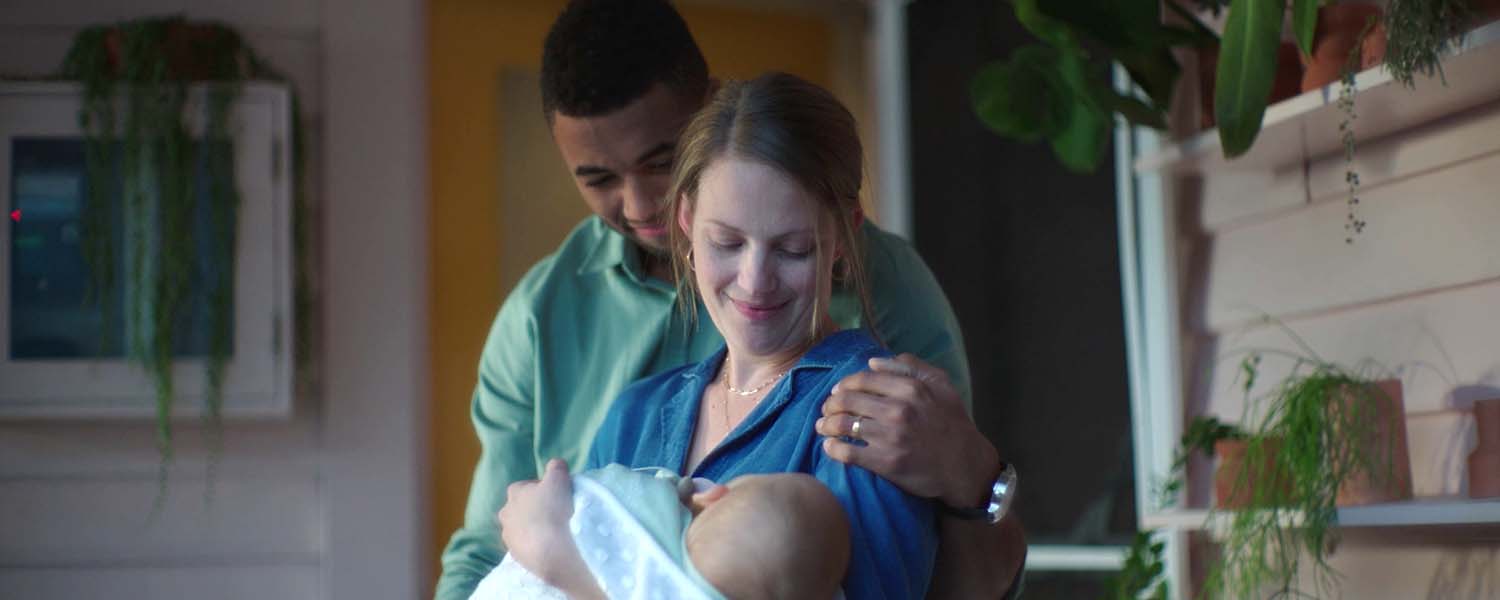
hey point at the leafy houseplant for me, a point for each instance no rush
(174, 248)
(1332, 437)
(1420, 32)
(1058, 91)
(1203, 434)
(1247, 64)
(1141, 575)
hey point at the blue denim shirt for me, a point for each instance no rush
(893, 535)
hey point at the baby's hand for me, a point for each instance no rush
(534, 523)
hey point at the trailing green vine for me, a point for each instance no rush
(134, 116)
(1420, 33)
(1353, 224)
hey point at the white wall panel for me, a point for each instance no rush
(128, 449)
(1445, 142)
(1237, 198)
(1410, 572)
(282, 582)
(1426, 232)
(108, 522)
(1439, 446)
(1444, 345)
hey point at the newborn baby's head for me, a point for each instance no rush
(772, 537)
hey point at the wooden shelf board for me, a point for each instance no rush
(1307, 126)
(1421, 513)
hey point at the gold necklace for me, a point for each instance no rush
(742, 393)
(752, 391)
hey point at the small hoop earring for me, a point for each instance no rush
(689, 258)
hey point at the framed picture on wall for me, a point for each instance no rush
(61, 351)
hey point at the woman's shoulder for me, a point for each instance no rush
(846, 351)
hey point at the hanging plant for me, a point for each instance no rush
(178, 192)
(1420, 33)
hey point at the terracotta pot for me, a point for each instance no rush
(1234, 488)
(1336, 37)
(1386, 448)
(1485, 11)
(184, 46)
(1287, 82)
(1484, 461)
(1372, 48)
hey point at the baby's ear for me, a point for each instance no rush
(701, 500)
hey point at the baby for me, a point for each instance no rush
(647, 534)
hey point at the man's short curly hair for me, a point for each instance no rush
(601, 55)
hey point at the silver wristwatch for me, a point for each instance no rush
(1002, 494)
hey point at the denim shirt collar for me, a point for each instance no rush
(680, 415)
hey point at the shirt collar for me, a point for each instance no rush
(612, 249)
(607, 251)
(827, 354)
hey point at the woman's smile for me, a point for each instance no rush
(758, 311)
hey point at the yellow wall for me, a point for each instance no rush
(471, 41)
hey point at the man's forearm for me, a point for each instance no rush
(976, 559)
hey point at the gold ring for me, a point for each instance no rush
(854, 429)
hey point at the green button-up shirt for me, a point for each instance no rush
(587, 320)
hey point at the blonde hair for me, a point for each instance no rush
(797, 128)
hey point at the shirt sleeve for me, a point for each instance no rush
(893, 535)
(911, 312)
(503, 410)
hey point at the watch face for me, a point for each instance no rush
(1003, 493)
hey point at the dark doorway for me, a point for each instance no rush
(1028, 254)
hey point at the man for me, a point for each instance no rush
(619, 81)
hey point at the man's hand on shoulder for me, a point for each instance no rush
(913, 431)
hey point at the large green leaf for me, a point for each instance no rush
(1304, 23)
(1112, 23)
(1053, 31)
(1154, 69)
(1135, 111)
(1024, 96)
(1247, 67)
(1080, 145)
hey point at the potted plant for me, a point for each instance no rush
(1206, 435)
(1420, 32)
(1328, 437)
(174, 251)
(1140, 577)
(1343, 30)
(1248, 61)
(1059, 92)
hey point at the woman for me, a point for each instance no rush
(765, 200)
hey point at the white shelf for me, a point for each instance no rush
(1307, 126)
(1046, 557)
(1479, 517)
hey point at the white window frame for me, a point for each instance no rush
(258, 378)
